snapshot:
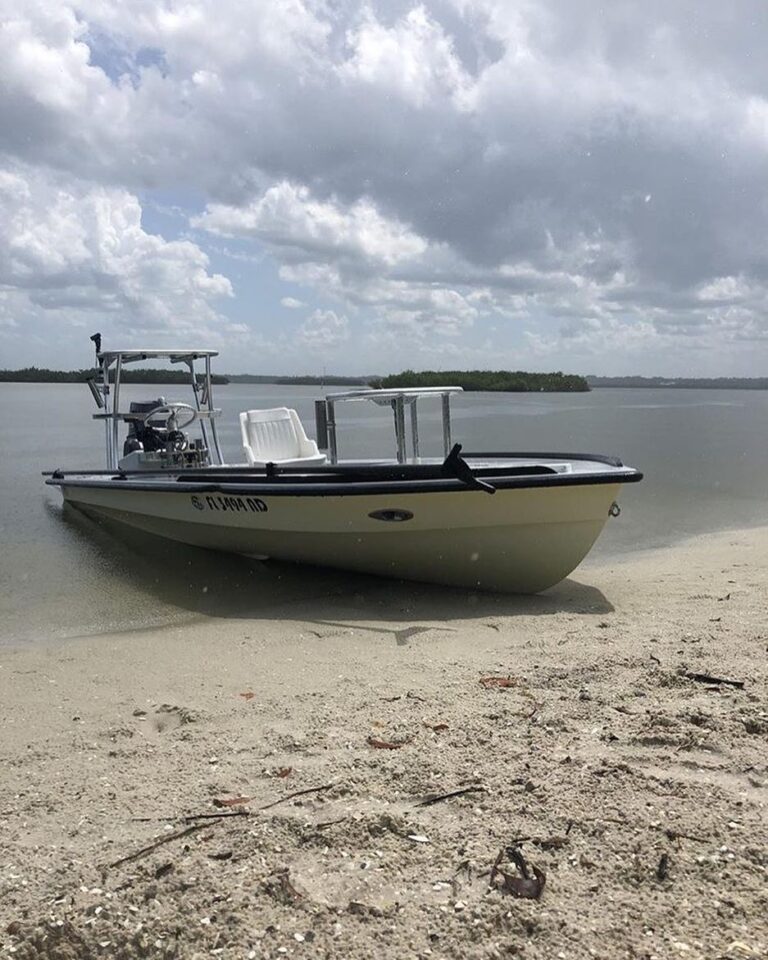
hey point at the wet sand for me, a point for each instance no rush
(611, 784)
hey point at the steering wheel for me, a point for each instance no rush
(172, 410)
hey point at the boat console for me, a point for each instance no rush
(156, 438)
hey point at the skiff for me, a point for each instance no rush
(515, 522)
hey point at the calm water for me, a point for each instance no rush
(704, 455)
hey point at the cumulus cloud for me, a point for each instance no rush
(324, 329)
(287, 216)
(414, 58)
(352, 252)
(69, 247)
(575, 173)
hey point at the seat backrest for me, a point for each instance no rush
(271, 434)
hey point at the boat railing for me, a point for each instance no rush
(398, 398)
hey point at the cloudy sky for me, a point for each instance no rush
(367, 187)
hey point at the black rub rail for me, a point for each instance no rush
(333, 479)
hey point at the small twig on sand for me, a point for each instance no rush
(217, 816)
(439, 797)
(187, 818)
(226, 814)
(297, 793)
(158, 843)
(707, 678)
(323, 825)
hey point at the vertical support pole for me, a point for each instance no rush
(209, 393)
(196, 388)
(446, 398)
(321, 424)
(415, 427)
(107, 410)
(398, 405)
(330, 418)
(115, 411)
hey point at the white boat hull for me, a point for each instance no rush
(519, 540)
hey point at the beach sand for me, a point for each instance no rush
(595, 758)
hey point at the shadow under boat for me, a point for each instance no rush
(223, 585)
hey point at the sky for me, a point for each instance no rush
(369, 187)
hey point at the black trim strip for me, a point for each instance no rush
(371, 474)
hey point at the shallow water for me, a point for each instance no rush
(704, 455)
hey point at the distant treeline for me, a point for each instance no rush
(321, 381)
(43, 375)
(517, 381)
(683, 383)
(300, 381)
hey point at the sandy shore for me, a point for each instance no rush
(589, 756)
